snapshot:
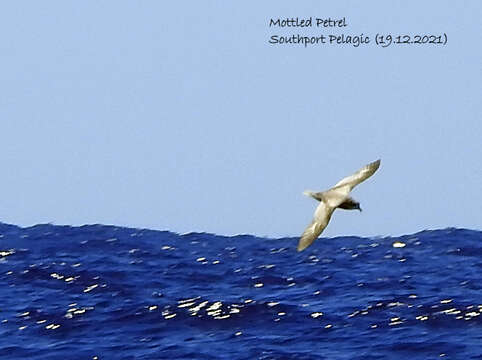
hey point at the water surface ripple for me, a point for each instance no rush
(106, 292)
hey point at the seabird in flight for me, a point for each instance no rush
(336, 197)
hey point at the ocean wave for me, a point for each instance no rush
(113, 292)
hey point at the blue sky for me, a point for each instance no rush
(181, 116)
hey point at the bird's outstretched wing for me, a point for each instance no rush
(320, 220)
(361, 175)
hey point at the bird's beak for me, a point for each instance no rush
(360, 209)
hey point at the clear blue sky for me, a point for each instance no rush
(181, 116)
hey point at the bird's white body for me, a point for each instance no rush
(336, 197)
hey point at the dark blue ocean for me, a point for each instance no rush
(106, 292)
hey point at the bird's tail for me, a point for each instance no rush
(315, 195)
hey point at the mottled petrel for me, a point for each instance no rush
(336, 197)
